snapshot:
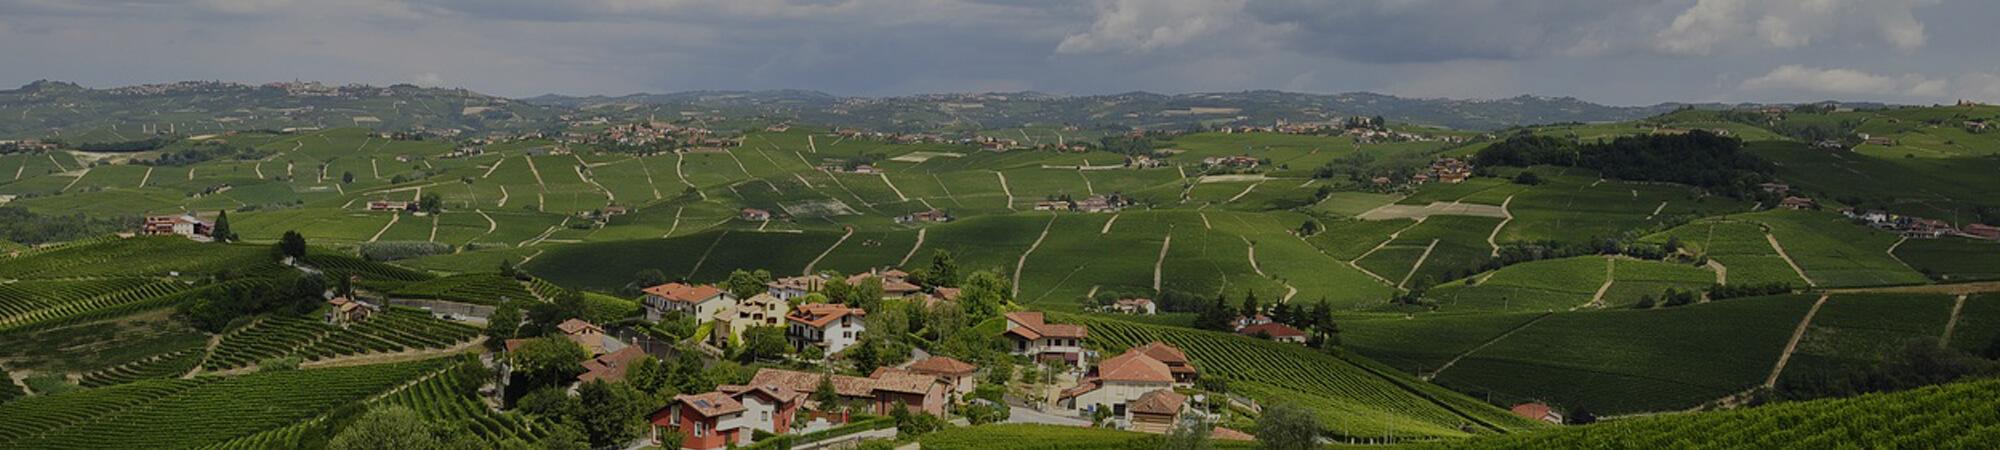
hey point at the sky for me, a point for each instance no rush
(1621, 52)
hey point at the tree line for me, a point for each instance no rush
(1699, 158)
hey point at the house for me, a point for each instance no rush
(1982, 231)
(926, 216)
(1177, 361)
(828, 326)
(1927, 228)
(390, 205)
(1117, 382)
(1242, 322)
(1052, 205)
(614, 210)
(1775, 188)
(883, 391)
(1156, 412)
(1538, 411)
(698, 301)
(708, 420)
(1100, 204)
(1797, 203)
(610, 367)
(1033, 337)
(761, 310)
(795, 287)
(589, 335)
(1231, 161)
(914, 392)
(346, 311)
(1135, 306)
(184, 225)
(1276, 332)
(956, 375)
(754, 215)
(895, 283)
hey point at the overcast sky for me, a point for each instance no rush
(1609, 51)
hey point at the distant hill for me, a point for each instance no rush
(54, 109)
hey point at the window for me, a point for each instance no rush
(700, 429)
(766, 415)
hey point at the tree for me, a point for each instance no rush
(292, 244)
(548, 360)
(824, 394)
(430, 203)
(394, 427)
(1250, 306)
(744, 284)
(1215, 316)
(504, 323)
(610, 413)
(1580, 416)
(508, 269)
(649, 375)
(649, 278)
(868, 295)
(1528, 177)
(763, 343)
(838, 291)
(984, 294)
(221, 232)
(944, 269)
(1190, 434)
(347, 178)
(1282, 313)
(1288, 426)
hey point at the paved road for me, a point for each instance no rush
(1023, 414)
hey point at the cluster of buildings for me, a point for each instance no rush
(931, 216)
(185, 225)
(1261, 326)
(830, 327)
(1444, 170)
(1091, 204)
(1240, 162)
(1920, 228)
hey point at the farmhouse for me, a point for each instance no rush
(955, 374)
(1230, 161)
(1982, 231)
(1135, 306)
(1276, 332)
(1242, 322)
(1033, 337)
(1052, 205)
(895, 283)
(795, 287)
(925, 217)
(1538, 411)
(761, 310)
(1156, 412)
(1101, 203)
(884, 391)
(828, 326)
(1798, 203)
(698, 301)
(390, 205)
(589, 335)
(709, 420)
(1117, 382)
(183, 225)
(346, 312)
(754, 214)
(1177, 361)
(613, 210)
(610, 366)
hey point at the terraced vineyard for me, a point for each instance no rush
(476, 288)
(337, 265)
(307, 337)
(130, 257)
(168, 365)
(452, 396)
(1353, 400)
(1959, 415)
(40, 301)
(181, 413)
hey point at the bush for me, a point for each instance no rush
(399, 250)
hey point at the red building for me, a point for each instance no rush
(726, 416)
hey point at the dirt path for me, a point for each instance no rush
(1788, 259)
(1159, 265)
(1418, 265)
(538, 173)
(495, 166)
(1107, 223)
(913, 249)
(947, 191)
(1003, 188)
(1385, 242)
(385, 228)
(503, 197)
(1503, 224)
(643, 168)
(434, 227)
(613, 198)
(490, 226)
(288, 171)
(24, 168)
(829, 251)
(739, 164)
(892, 187)
(1023, 263)
(373, 167)
(1483, 345)
(1204, 222)
(78, 179)
(1610, 275)
(1251, 252)
(1945, 339)
(704, 254)
(1657, 210)
(1899, 259)
(1721, 272)
(810, 144)
(61, 167)
(1087, 185)
(1954, 289)
(1246, 191)
(1798, 334)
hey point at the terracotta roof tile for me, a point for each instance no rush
(943, 365)
(1134, 367)
(818, 315)
(684, 293)
(1273, 329)
(711, 404)
(1033, 321)
(898, 380)
(1162, 402)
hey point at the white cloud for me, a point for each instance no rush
(1710, 26)
(1793, 77)
(1141, 26)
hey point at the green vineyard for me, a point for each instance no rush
(169, 365)
(451, 396)
(482, 289)
(1354, 400)
(309, 338)
(33, 301)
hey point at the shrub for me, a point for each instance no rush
(398, 250)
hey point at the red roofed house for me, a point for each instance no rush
(898, 388)
(1276, 331)
(895, 283)
(1174, 358)
(1982, 231)
(708, 420)
(610, 366)
(952, 372)
(1135, 306)
(770, 408)
(829, 326)
(1156, 412)
(698, 301)
(1538, 411)
(1798, 203)
(754, 214)
(347, 311)
(184, 225)
(1033, 337)
(1117, 381)
(589, 335)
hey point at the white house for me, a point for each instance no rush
(1119, 381)
(829, 326)
(698, 301)
(1033, 337)
(761, 310)
(794, 287)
